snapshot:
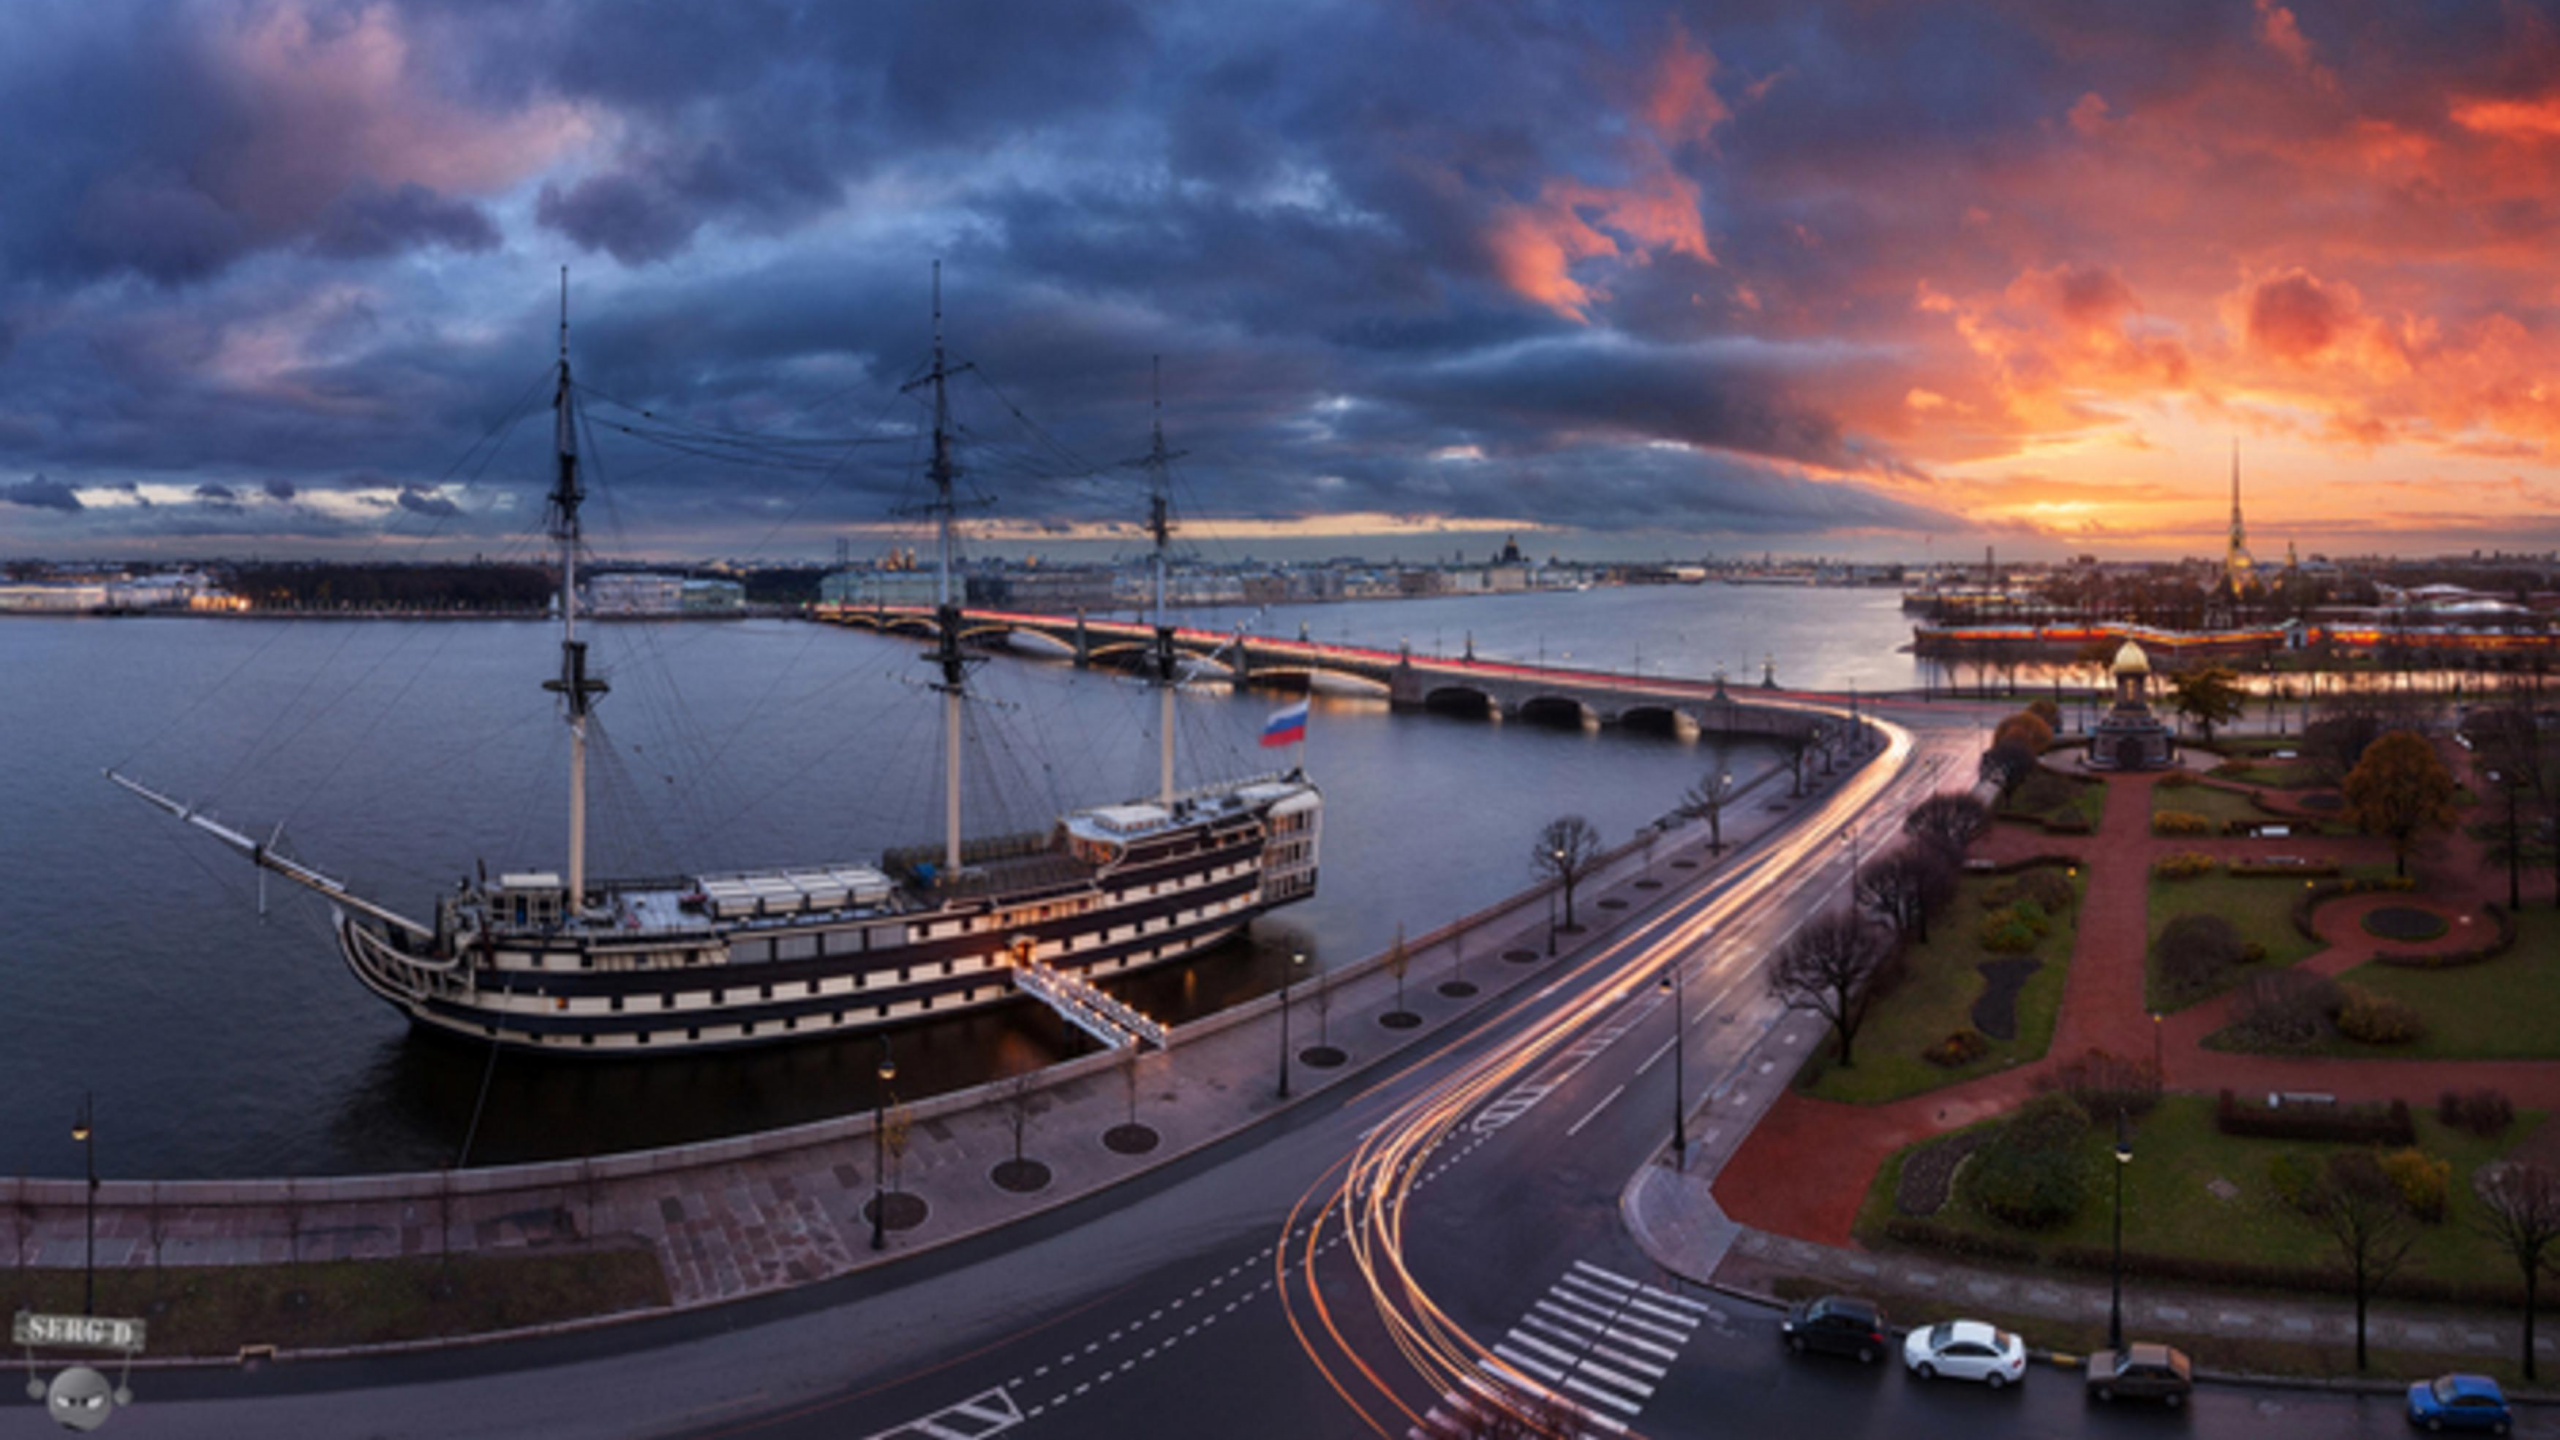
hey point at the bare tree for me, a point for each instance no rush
(1129, 1077)
(2371, 1229)
(22, 1218)
(1827, 967)
(1904, 886)
(1019, 1092)
(2510, 750)
(1399, 960)
(1949, 822)
(1565, 852)
(2520, 1206)
(1706, 801)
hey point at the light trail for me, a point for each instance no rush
(1364, 1197)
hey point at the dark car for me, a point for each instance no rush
(1836, 1323)
(2460, 1402)
(2141, 1372)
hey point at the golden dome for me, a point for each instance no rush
(2131, 661)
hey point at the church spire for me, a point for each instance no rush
(2236, 563)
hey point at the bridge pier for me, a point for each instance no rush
(1084, 644)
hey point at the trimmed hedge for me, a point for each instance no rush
(2180, 822)
(2191, 1270)
(2263, 869)
(2346, 1124)
(2184, 865)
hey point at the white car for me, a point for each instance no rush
(1966, 1350)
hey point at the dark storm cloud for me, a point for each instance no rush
(370, 221)
(37, 493)
(278, 488)
(419, 502)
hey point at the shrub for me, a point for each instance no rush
(2183, 865)
(2180, 822)
(2281, 869)
(2033, 1174)
(1957, 1050)
(2252, 953)
(1922, 1234)
(2046, 711)
(2176, 780)
(2486, 1113)
(2421, 1180)
(2196, 954)
(2106, 1085)
(2014, 929)
(2026, 728)
(2049, 890)
(2371, 1019)
(2346, 1124)
(2068, 822)
(2296, 1178)
(2286, 1008)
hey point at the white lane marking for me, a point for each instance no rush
(1595, 1272)
(1539, 1368)
(1609, 1398)
(1595, 1112)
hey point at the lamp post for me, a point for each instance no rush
(82, 1131)
(2115, 1301)
(1558, 857)
(1296, 959)
(1675, 984)
(2159, 1072)
(880, 1149)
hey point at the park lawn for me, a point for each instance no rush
(2272, 774)
(2212, 802)
(1935, 1000)
(2502, 1009)
(2168, 1209)
(2260, 907)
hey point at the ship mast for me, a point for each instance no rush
(1160, 524)
(946, 610)
(575, 688)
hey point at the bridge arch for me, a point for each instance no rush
(1563, 712)
(1656, 720)
(1464, 701)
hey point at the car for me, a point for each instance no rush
(1840, 1324)
(2460, 1402)
(2141, 1372)
(1965, 1350)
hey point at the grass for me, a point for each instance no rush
(217, 1309)
(2272, 775)
(2502, 1009)
(2212, 802)
(2259, 907)
(1935, 999)
(2169, 1211)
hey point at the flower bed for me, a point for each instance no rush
(2404, 922)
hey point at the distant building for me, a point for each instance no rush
(633, 593)
(879, 587)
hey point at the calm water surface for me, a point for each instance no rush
(397, 756)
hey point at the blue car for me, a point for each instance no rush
(2460, 1402)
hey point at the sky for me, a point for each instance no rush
(1863, 279)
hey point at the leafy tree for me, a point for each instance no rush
(2520, 1214)
(2026, 728)
(2208, 697)
(1828, 967)
(1565, 852)
(2398, 789)
(2007, 763)
(1950, 822)
(1904, 886)
(2337, 740)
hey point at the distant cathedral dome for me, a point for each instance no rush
(2131, 661)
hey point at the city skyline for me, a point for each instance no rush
(284, 264)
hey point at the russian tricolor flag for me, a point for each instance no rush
(1287, 726)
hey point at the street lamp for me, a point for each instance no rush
(1296, 959)
(1675, 984)
(82, 1131)
(1556, 855)
(2115, 1302)
(880, 1150)
(2159, 1071)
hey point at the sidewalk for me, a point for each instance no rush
(758, 1214)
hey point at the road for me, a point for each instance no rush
(1332, 1272)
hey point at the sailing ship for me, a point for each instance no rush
(556, 963)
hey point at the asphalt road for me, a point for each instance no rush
(1158, 1309)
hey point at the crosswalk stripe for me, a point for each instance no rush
(1561, 1357)
(1602, 1293)
(1685, 1322)
(1553, 1328)
(1609, 1398)
(1622, 1337)
(1597, 1311)
(1683, 1301)
(1587, 1268)
(1620, 1357)
(1539, 1368)
(1638, 1388)
(1594, 1326)
(1668, 1335)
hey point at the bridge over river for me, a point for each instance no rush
(1535, 694)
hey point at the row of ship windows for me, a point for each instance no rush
(906, 973)
(746, 1029)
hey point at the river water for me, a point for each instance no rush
(398, 755)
